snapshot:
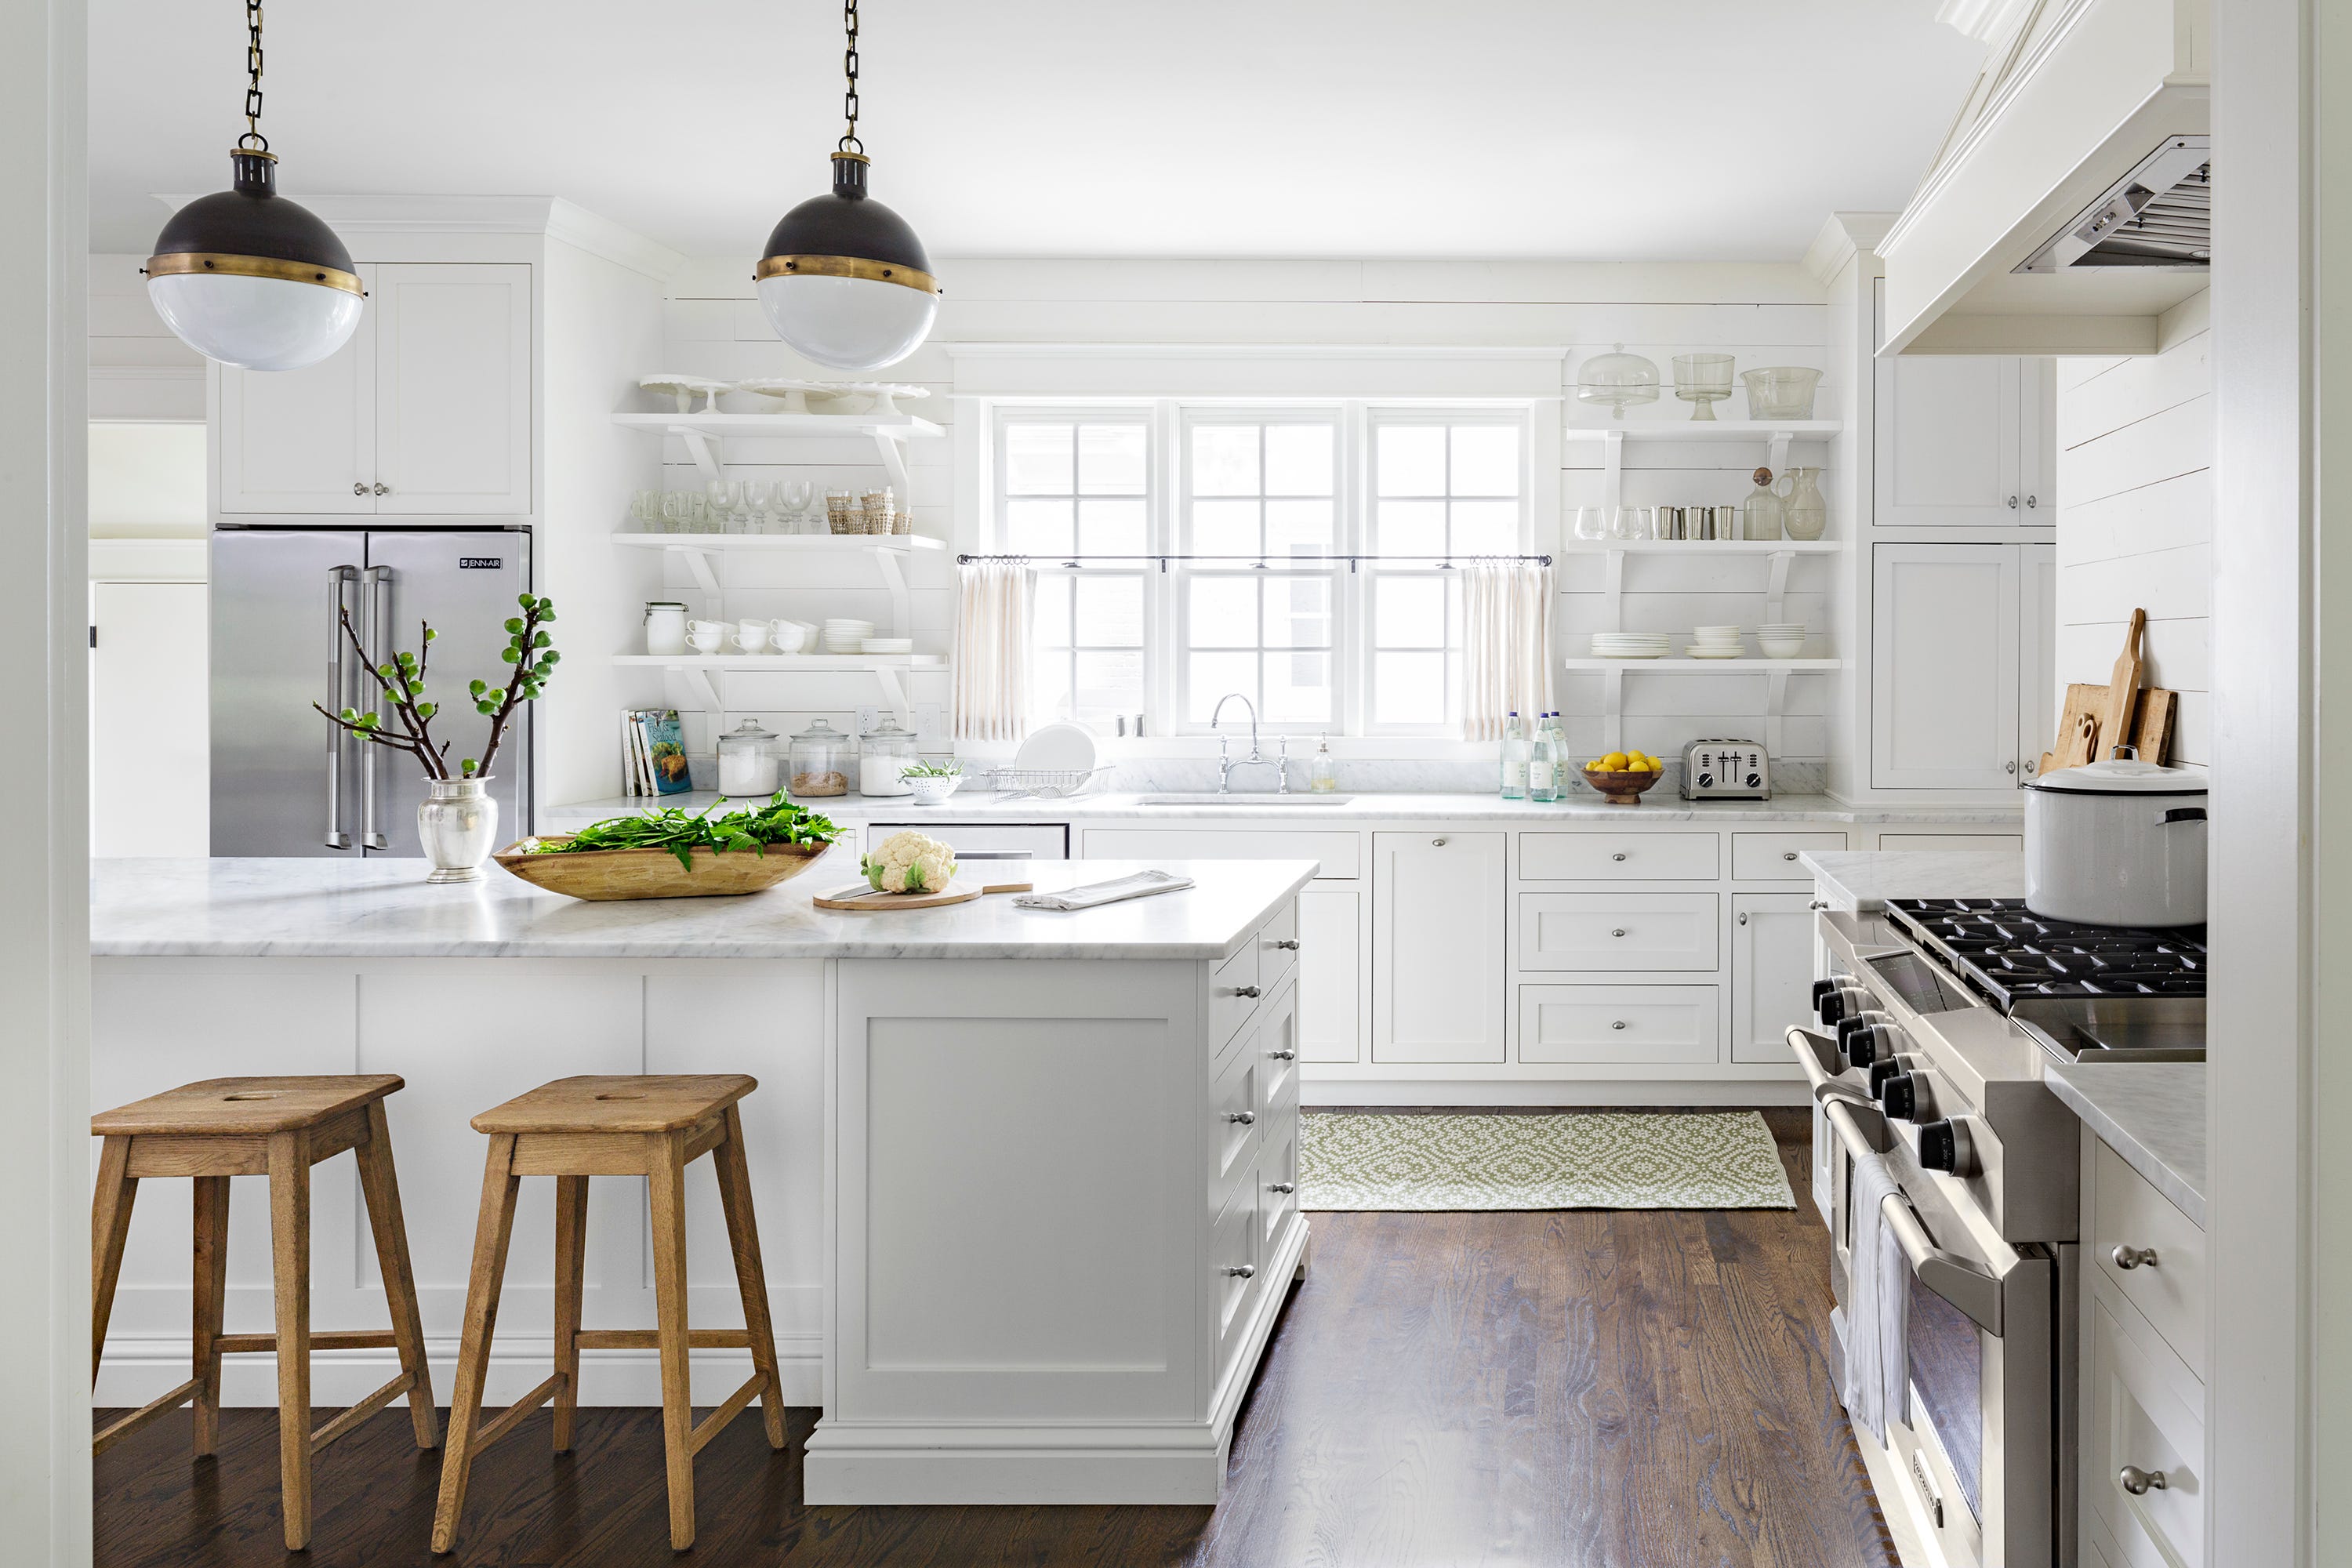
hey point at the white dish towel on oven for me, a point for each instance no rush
(1141, 885)
(1876, 1365)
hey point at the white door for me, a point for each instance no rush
(2037, 442)
(1772, 972)
(453, 389)
(2038, 696)
(1944, 666)
(150, 757)
(302, 441)
(1438, 947)
(1331, 973)
(1946, 440)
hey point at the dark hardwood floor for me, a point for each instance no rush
(1600, 1389)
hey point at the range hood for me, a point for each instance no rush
(2071, 207)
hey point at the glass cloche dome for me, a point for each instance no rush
(1618, 380)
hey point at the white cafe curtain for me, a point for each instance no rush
(1506, 634)
(992, 650)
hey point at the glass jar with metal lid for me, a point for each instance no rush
(747, 760)
(885, 752)
(820, 760)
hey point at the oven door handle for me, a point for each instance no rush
(1817, 1055)
(1956, 1280)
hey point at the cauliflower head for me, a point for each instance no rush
(910, 862)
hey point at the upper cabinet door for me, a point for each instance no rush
(1947, 443)
(301, 441)
(1944, 666)
(2037, 442)
(453, 389)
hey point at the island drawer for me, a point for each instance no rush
(2129, 1218)
(1233, 1115)
(1336, 855)
(1773, 856)
(2140, 1407)
(1277, 1186)
(1617, 856)
(1277, 944)
(1617, 930)
(1234, 991)
(1234, 1258)
(1619, 1023)
(1277, 1047)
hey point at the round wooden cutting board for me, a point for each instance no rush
(869, 901)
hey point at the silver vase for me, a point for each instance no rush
(457, 823)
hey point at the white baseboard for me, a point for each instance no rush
(137, 1370)
(1341, 1093)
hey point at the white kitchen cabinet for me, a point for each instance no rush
(1330, 972)
(1964, 441)
(1646, 1025)
(149, 745)
(1620, 932)
(1945, 676)
(427, 412)
(1772, 972)
(1438, 947)
(2038, 699)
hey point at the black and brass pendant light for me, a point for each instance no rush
(245, 275)
(844, 280)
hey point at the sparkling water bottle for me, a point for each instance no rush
(1515, 759)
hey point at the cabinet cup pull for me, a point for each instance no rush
(1244, 990)
(359, 487)
(1241, 1271)
(2139, 1483)
(1618, 856)
(1241, 1118)
(1285, 945)
(1618, 931)
(1282, 1186)
(1283, 1056)
(1618, 1024)
(2134, 1257)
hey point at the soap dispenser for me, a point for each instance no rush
(1323, 769)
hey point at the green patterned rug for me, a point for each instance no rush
(1578, 1160)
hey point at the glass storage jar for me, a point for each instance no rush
(664, 628)
(747, 760)
(885, 751)
(821, 758)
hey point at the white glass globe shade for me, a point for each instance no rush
(256, 323)
(848, 323)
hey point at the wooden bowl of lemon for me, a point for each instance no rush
(1623, 776)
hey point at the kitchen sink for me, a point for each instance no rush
(1246, 799)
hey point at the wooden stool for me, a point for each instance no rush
(574, 1129)
(277, 1127)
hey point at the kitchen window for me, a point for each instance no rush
(1075, 485)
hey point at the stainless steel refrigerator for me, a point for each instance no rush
(284, 781)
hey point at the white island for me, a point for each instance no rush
(1024, 1180)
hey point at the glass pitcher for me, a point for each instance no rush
(1803, 511)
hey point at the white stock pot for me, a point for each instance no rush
(2118, 843)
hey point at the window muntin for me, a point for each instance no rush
(1086, 646)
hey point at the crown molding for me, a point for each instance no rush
(576, 225)
(1841, 234)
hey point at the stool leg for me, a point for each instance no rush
(290, 1246)
(751, 1276)
(211, 1299)
(109, 1227)
(570, 1266)
(382, 1185)
(665, 1189)
(492, 1231)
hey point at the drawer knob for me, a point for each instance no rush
(1437, 843)
(1244, 990)
(1241, 1271)
(2139, 1483)
(1618, 931)
(1743, 916)
(1618, 1024)
(1285, 945)
(1788, 855)
(1618, 856)
(2134, 1257)
(1243, 1118)
(1284, 1055)
(359, 487)
(1282, 1186)
(382, 488)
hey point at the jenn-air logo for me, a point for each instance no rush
(480, 562)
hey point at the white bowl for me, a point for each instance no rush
(1782, 630)
(933, 790)
(1784, 647)
(1716, 634)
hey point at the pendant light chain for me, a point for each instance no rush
(849, 141)
(253, 138)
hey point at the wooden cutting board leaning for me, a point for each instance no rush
(2092, 713)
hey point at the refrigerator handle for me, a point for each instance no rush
(338, 578)
(379, 624)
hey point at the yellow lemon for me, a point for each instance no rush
(1614, 763)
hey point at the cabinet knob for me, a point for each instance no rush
(1437, 843)
(1618, 931)
(1788, 855)
(2033, 501)
(1244, 991)
(2012, 503)
(1241, 1271)
(2139, 1483)
(359, 487)
(1819, 904)
(2128, 1258)
(1282, 1186)
(1285, 945)
(1743, 916)
(1283, 1056)
(1241, 1118)
(1618, 1024)
(2012, 765)
(1618, 856)
(382, 488)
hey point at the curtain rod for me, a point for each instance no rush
(1262, 563)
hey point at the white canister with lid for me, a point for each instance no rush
(2118, 843)
(747, 760)
(664, 628)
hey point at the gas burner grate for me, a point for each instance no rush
(2005, 951)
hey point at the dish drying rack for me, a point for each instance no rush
(1038, 783)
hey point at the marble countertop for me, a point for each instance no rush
(1661, 804)
(1861, 881)
(381, 906)
(2152, 1113)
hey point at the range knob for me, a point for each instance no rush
(1886, 1067)
(1821, 989)
(1947, 1146)
(1841, 1002)
(1903, 1096)
(1862, 1039)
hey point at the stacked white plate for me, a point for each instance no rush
(847, 636)
(1631, 644)
(1715, 642)
(1781, 639)
(889, 644)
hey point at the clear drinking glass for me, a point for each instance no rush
(1590, 523)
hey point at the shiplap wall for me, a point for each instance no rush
(1764, 314)
(2135, 520)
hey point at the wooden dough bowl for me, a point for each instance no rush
(1620, 789)
(598, 874)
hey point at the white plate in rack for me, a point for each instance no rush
(1058, 747)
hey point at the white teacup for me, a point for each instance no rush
(752, 637)
(787, 636)
(702, 641)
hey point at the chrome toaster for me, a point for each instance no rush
(1726, 770)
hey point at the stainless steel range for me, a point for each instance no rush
(1936, 1019)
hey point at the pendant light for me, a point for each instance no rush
(843, 281)
(245, 275)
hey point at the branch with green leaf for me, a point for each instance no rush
(400, 682)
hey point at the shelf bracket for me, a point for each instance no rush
(895, 694)
(1612, 470)
(1776, 590)
(705, 451)
(894, 577)
(1778, 461)
(1614, 590)
(894, 463)
(700, 680)
(1612, 710)
(1775, 699)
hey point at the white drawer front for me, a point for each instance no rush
(1336, 854)
(1233, 1116)
(1277, 1047)
(1631, 1024)
(1773, 856)
(1233, 993)
(1277, 1186)
(1956, 842)
(1234, 1258)
(1617, 856)
(2140, 1408)
(1277, 945)
(2132, 1214)
(1617, 930)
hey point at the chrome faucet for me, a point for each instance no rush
(1225, 765)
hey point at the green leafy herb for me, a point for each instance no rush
(681, 833)
(930, 771)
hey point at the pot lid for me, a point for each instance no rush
(2123, 775)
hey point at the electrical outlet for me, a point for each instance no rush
(930, 726)
(866, 718)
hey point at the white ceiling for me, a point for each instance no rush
(1638, 129)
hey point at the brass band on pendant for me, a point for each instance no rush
(193, 262)
(846, 267)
